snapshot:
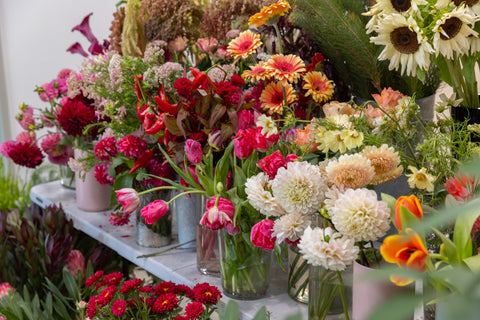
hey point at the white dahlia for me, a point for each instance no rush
(299, 188)
(290, 226)
(260, 197)
(327, 248)
(360, 215)
(351, 171)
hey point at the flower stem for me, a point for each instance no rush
(342, 294)
(279, 38)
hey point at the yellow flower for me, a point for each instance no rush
(318, 85)
(277, 9)
(350, 171)
(285, 68)
(420, 179)
(333, 141)
(352, 138)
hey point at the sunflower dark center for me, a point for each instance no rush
(401, 5)
(451, 27)
(469, 3)
(404, 40)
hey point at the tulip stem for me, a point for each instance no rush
(166, 250)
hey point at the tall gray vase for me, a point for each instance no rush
(189, 211)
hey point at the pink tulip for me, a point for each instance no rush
(270, 164)
(261, 142)
(193, 150)
(154, 211)
(291, 157)
(243, 145)
(261, 235)
(76, 262)
(128, 198)
(220, 216)
(245, 119)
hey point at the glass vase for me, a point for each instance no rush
(208, 261)
(245, 269)
(330, 294)
(298, 272)
(158, 234)
(67, 176)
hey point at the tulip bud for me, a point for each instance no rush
(412, 204)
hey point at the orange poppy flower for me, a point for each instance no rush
(244, 45)
(407, 250)
(256, 72)
(412, 204)
(318, 86)
(272, 97)
(285, 68)
(277, 9)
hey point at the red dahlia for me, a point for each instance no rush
(74, 116)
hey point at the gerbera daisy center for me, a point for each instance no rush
(404, 40)
(401, 5)
(451, 28)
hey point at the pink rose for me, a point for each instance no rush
(128, 198)
(243, 145)
(219, 216)
(178, 44)
(193, 150)
(154, 211)
(261, 235)
(76, 262)
(270, 164)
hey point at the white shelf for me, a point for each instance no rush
(177, 265)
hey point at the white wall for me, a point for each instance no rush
(34, 36)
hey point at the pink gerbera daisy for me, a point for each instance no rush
(244, 45)
(256, 72)
(285, 68)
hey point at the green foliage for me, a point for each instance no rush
(13, 193)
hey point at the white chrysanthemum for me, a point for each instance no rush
(290, 226)
(360, 215)
(405, 45)
(260, 197)
(451, 32)
(299, 188)
(327, 248)
(351, 171)
(474, 44)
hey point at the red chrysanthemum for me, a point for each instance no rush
(147, 289)
(207, 294)
(183, 289)
(119, 218)
(194, 309)
(106, 148)
(101, 174)
(183, 87)
(106, 295)
(92, 307)
(133, 147)
(94, 278)
(165, 302)
(112, 279)
(74, 116)
(24, 154)
(130, 285)
(118, 307)
(165, 287)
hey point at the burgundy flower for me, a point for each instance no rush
(101, 174)
(165, 302)
(226, 90)
(74, 116)
(205, 293)
(119, 218)
(118, 307)
(94, 278)
(154, 211)
(160, 169)
(237, 81)
(24, 154)
(194, 309)
(106, 148)
(165, 287)
(183, 87)
(270, 164)
(106, 295)
(261, 235)
(95, 47)
(133, 147)
(112, 279)
(130, 285)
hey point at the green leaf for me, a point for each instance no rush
(408, 219)
(261, 314)
(398, 307)
(71, 285)
(278, 252)
(448, 249)
(473, 263)
(231, 311)
(48, 304)
(462, 232)
(223, 166)
(391, 204)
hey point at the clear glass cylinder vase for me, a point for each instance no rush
(208, 255)
(67, 176)
(245, 269)
(158, 234)
(330, 294)
(298, 274)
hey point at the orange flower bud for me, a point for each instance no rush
(412, 204)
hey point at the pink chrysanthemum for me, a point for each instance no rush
(106, 148)
(106, 295)
(92, 307)
(132, 146)
(93, 279)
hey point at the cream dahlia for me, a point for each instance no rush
(260, 197)
(351, 171)
(384, 159)
(290, 226)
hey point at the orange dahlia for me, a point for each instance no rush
(244, 45)
(285, 68)
(256, 72)
(318, 86)
(277, 9)
(272, 97)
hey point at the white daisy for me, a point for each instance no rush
(358, 214)
(327, 248)
(260, 197)
(299, 188)
(451, 32)
(405, 45)
(290, 226)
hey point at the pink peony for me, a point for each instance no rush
(193, 150)
(5, 289)
(106, 148)
(133, 147)
(154, 211)
(76, 262)
(219, 216)
(57, 154)
(261, 235)
(128, 198)
(270, 164)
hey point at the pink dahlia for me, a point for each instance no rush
(133, 147)
(106, 148)
(101, 174)
(74, 116)
(57, 154)
(160, 169)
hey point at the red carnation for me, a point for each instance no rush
(133, 147)
(74, 116)
(165, 302)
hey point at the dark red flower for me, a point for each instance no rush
(118, 307)
(101, 174)
(92, 307)
(146, 289)
(205, 293)
(106, 148)
(226, 91)
(94, 278)
(183, 289)
(237, 81)
(183, 87)
(165, 287)
(24, 154)
(160, 169)
(119, 218)
(74, 116)
(112, 279)
(133, 147)
(106, 295)
(165, 302)
(194, 309)
(130, 285)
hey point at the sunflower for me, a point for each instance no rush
(272, 97)
(395, 6)
(285, 68)
(405, 45)
(256, 72)
(277, 9)
(318, 86)
(244, 45)
(472, 6)
(451, 32)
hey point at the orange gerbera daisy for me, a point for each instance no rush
(318, 86)
(256, 72)
(244, 45)
(285, 68)
(272, 97)
(277, 9)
